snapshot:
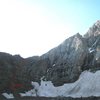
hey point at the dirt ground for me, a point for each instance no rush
(50, 98)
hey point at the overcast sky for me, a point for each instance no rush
(32, 27)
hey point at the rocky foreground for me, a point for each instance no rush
(51, 98)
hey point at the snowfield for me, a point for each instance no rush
(87, 85)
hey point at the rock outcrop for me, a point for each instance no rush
(92, 37)
(62, 64)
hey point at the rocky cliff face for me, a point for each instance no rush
(66, 60)
(92, 37)
(62, 64)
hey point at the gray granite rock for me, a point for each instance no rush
(66, 60)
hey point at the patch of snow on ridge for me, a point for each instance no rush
(53, 65)
(91, 50)
(87, 85)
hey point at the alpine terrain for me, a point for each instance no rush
(72, 69)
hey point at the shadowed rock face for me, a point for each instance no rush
(62, 64)
(5, 70)
(13, 72)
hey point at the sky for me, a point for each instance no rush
(33, 27)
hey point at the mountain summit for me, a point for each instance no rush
(94, 30)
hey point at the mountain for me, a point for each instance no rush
(62, 64)
(66, 60)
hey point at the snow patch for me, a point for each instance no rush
(91, 50)
(8, 96)
(35, 85)
(29, 93)
(54, 65)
